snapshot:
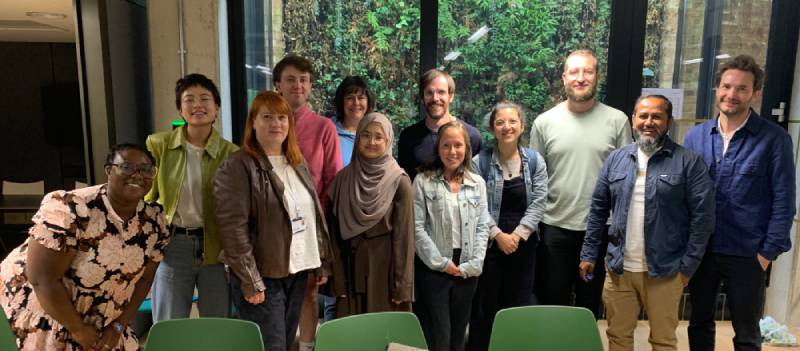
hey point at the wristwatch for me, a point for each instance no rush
(119, 327)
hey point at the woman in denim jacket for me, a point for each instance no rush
(451, 231)
(516, 179)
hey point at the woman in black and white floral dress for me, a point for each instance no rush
(77, 281)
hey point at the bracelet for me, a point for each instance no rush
(119, 327)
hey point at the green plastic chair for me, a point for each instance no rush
(370, 332)
(7, 339)
(204, 334)
(545, 328)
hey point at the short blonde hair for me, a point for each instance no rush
(584, 53)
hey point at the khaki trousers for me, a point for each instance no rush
(624, 295)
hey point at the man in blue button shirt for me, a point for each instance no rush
(662, 201)
(750, 160)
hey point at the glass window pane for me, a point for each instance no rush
(378, 40)
(515, 50)
(674, 47)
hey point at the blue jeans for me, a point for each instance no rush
(327, 304)
(181, 270)
(279, 314)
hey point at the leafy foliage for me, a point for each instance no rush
(520, 59)
(377, 40)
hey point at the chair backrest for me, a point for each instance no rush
(32, 188)
(7, 339)
(204, 334)
(545, 328)
(370, 331)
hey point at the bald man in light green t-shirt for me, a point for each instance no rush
(575, 137)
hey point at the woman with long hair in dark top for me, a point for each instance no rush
(516, 185)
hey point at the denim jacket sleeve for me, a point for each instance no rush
(423, 244)
(535, 211)
(474, 266)
(597, 218)
(701, 203)
(493, 229)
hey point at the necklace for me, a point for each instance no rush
(510, 165)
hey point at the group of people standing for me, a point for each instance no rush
(453, 229)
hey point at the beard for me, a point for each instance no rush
(429, 111)
(581, 97)
(647, 144)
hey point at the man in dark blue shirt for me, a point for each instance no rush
(417, 142)
(662, 201)
(750, 160)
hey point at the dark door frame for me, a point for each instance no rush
(781, 58)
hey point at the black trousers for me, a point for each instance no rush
(443, 307)
(279, 314)
(506, 281)
(744, 282)
(557, 275)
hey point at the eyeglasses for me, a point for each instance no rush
(503, 123)
(374, 137)
(147, 170)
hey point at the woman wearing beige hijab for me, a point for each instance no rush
(372, 220)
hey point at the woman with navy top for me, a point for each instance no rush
(451, 231)
(516, 181)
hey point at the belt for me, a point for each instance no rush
(198, 232)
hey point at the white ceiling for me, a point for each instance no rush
(15, 25)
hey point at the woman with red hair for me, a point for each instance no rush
(271, 224)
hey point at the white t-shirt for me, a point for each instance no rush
(634, 256)
(726, 140)
(189, 213)
(455, 214)
(304, 250)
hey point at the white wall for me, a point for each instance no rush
(783, 295)
(200, 25)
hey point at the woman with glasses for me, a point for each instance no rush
(188, 158)
(88, 262)
(516, 185)
(271, 223)
(372, 217)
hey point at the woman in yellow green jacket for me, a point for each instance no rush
(187, 159)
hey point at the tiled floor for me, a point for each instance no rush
(723, 343)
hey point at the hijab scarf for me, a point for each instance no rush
(362, 192)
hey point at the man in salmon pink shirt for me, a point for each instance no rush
(319, 143)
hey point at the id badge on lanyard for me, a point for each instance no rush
(298, 222)
(298, 225)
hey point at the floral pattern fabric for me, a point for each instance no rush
(111, 255)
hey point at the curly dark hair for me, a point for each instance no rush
(116, 149)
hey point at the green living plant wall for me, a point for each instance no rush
(519, 59)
